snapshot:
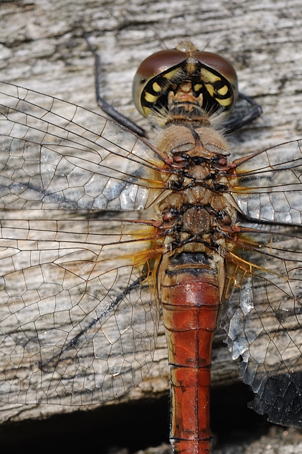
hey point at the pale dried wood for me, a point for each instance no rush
(42, 48)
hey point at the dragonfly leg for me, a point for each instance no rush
(252, 114)
(104, 105)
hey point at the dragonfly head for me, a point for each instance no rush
(186, 80)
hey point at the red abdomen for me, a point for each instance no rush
(190, 299)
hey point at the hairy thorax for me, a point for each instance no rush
(198, 208)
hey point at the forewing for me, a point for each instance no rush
(56, 155)
(269, 184)
(264, 318)
(78, 309)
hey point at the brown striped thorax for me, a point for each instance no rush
(185, 84)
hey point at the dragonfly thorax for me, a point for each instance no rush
(197, 209)
(204, 142)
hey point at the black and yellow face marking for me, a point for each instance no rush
(210, 75)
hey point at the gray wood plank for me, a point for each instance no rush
(42, 48)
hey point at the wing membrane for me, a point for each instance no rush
(78, 310)
(269, 186)
(264, 319)
(60, 156)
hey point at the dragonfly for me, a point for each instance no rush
(101, 231)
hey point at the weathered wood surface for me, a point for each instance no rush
(42, 48)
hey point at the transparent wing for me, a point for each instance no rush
(56, 155)
(269, 187)
(78, 309)
(264, 318)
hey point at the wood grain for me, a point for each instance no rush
(42, 48)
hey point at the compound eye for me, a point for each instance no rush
(219, 78)
(153, 76)
(212, 78)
